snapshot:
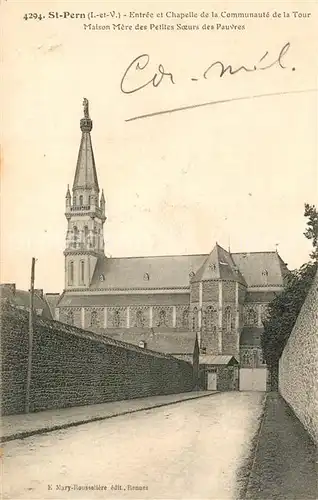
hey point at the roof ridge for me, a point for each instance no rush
(258, 251)
(159, 256)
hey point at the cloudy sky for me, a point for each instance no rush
(236, 172)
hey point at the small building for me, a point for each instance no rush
(218, 373)
(21, 299)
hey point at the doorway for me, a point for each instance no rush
(211, 381)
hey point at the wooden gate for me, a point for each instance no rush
(253, 379)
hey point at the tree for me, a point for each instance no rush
(312, 228)
(284, 309)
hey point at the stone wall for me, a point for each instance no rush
(74, 367)
(298, 365)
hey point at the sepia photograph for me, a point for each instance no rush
(159, 250)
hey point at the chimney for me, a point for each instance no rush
(39, 292)
(9, 286)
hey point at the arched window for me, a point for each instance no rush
(70, 318)
(195, 319)
(116, 319)
(71, 273)
(251, 317)
(210, 318)
(74, 201)
(162, 317)
(228, 319)
(246, 358)
(82, 272)
(81, 201)
(185, 318)
(140, 319)
(94, 318)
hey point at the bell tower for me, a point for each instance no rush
(85, 214)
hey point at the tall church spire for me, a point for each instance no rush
(85, 214)
(85, 174)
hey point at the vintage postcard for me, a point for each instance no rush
(159, 234)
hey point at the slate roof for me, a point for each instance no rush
(220, 359)
(171, 271)
(174, 271)
(71, 300)
(21, 299)
(85, 174)
(52, 299)
(219, 265)
(168, 342)
(251, 336)
(255, 265)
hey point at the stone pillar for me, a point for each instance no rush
(200, 305)
(237, 311)
(220, 317)
(237, 316)
(105, 317)
(83, 317)
(174, 316)
(127, 317)
(259, 316)
(150, 317)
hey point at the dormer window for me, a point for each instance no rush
(191, 274)
(143, 344)
(265, 272)
(146, 277)
(212, 267)
(101, 277)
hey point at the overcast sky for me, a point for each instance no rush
(237, 172)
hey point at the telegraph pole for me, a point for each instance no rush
(28, 385)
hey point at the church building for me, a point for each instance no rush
(161, 303)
